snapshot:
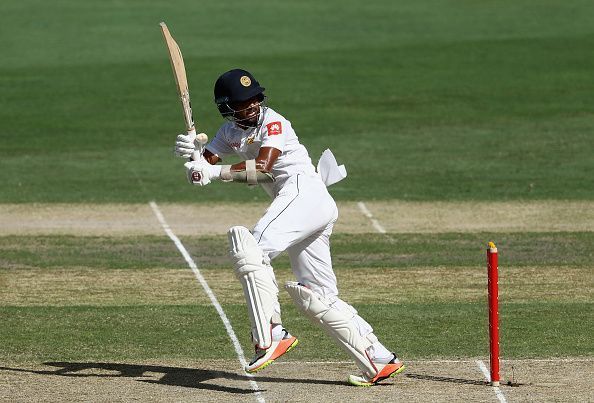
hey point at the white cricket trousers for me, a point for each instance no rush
(300, 221)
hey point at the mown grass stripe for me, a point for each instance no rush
(414, 330)
(516, 249)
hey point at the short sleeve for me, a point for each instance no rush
(219, 145)
(275, 135)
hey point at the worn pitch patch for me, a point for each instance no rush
(208, 219)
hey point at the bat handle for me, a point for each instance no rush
(197, 154)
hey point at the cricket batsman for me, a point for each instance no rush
(299, 220)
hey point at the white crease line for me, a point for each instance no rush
(276, 363)
(446, 361)
(550, 360)
(368, 214)
(485, 372)
(213, 298)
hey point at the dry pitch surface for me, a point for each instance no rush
(534, 380)
(436, 381)
(396, 217)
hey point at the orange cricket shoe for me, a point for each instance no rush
(265, 357)
(384, 371)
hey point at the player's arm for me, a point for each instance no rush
(210, 157)
(250, 171)
(264, 161)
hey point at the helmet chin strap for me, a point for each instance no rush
(239, 122)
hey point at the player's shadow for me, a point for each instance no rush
(424, 377)
(173, 376)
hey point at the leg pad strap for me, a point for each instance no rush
(337, 323)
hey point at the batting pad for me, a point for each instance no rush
(259, 287)
(337, 323)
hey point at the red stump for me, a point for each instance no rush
(493, 287)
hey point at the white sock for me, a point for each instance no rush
(379, 353)
(277, 332)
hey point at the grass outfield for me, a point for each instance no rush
(459, 122)
(449, 101)
(132, 298)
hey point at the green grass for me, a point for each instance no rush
(93, 333)
(428, 100)
(348, 251)
(189, 332)
(447, 100)
(49, 252)
(424, 326)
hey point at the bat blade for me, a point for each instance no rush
(179, 73)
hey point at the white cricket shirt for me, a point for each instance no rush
(275, 131)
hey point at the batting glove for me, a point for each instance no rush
(185, 145)
(201, 172)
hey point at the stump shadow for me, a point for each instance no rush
(424, 377)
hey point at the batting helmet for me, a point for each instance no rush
(236, 85)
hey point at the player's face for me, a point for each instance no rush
(247, 112)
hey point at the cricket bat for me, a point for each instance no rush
(181, 81)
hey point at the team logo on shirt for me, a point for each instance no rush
(274, 128)
(245, 81)
(250, 139)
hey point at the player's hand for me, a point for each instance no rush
(185, 144)
(201, 172)
(198, 172)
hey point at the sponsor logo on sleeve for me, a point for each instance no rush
(274, 128)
